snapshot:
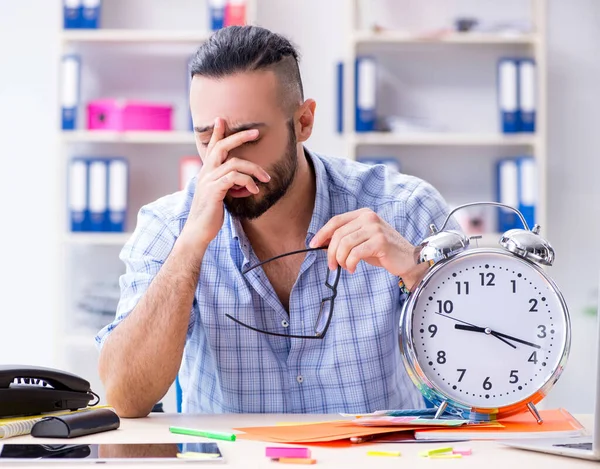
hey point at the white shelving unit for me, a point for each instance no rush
(97, 136)
(532, 44)
(125, 36)
(393, 37)
(110, 51)
(443, 139)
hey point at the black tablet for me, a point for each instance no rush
(107, 453)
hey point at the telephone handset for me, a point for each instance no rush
(28, 390)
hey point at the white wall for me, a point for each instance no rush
(28, 142)
(28, 180)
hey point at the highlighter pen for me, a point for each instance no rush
(205, 434)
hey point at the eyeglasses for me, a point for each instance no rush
(325, 310)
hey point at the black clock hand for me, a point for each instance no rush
(521, 341)
(484, 330)
(472, 325)
(499, 335)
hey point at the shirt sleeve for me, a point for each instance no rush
(423, 207)
(143, 256)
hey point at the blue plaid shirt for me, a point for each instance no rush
(228, 368)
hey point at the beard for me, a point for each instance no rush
(282, 175)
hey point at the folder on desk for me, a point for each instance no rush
(527, 183)
(508, 86)
(71, 14)
(90, 14)
(527, 94)
(365, 93)
(118, 182)
(507, 177)
(189, 166)
(558, 423)
(97, 196)
(70, 77)
(77, 181)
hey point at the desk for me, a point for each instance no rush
(251, 454)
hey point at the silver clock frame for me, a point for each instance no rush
(433, 393)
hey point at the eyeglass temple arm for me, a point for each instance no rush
(245, 271)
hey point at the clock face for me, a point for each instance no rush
(488, 329)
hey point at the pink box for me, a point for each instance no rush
(122, 115)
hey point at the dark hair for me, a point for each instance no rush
(250, 48)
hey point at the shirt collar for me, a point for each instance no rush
(321, 210)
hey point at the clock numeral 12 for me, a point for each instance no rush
(514, 284)
(490, 279)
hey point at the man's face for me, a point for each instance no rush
(248, 101)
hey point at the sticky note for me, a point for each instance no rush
(297, 461)
(435, 451)
(383, 453)
(445, 456)
(276, 452)
(462, 451)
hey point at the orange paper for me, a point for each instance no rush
(321, 432)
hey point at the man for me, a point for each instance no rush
(314, 332)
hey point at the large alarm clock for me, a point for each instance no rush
(486, 332)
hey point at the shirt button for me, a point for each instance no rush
(284, 323)
(299, 378)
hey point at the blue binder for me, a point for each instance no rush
(508, 86)
(98, 194)
(189, 85)
(71, 14)
(77, 181)
(339, 97)
(527, 182)
(70, 78)
(507, 185)
(217, 14)
(527, 95)
(118, 176)
(365, 93)
(90, 14)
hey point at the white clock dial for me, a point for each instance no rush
(488, 329)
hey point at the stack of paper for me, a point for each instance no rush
(557, 423)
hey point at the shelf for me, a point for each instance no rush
(132, 35)
(449, 139)
(98, 239)
(100, 136)
(397, 37)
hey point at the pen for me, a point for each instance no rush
(205, 434)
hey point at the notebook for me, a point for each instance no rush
(558, 423)
(16, 426)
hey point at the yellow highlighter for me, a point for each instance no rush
(383, 453)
